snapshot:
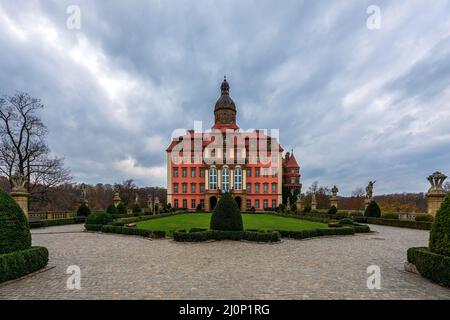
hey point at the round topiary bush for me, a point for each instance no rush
(83, 211)
(122, 209)
(226, 215)
(333, 210)
(281, 208)
(440, 230)
(137, 208)
(14, 230)
(307, 208)
(99, 218)
(373, 210)
(294, 208)
(111, 209)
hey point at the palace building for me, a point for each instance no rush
(249, 165)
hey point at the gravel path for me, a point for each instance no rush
(126, 267)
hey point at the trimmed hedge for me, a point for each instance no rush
(51, 223)
(111, 209)
(218, 235)
(392, 216)
(20, 263)
(421, 225)
(440, 231)
(134, 232)
(124, 221)
(93, 227)
(99, 218)
(305, 234)
(14, 230)
(424, 217)
(431, 265)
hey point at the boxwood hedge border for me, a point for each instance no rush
(431, 265)
(20, 263)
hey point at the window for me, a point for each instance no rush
(184, 189)
(274, 188)
(266, 204)
(184, 172)
(249, 188)
(257, 171)
(175, 203)
(225, 179)
(274, 172)
(175, 172)
(185, 204)
(292, 180)
(265, 172)
(192, 159)
(202, 187)
(202, 173)
(193, 205)
(249, 204)
(175, 187)
(193, 188)
(257, 204)
(193, 172)
(256, 187)
(266, 187)
(175, 159)
(249, 172)
(238, 179)
(274, 160)
(202, 203)
(274, 203)
(213, 178)
(185, 159)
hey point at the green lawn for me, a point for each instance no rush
(251, 221)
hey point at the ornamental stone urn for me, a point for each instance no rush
(436, 193)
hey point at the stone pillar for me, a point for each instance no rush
(313, 202)
(436, 193)
(19, 193)
(334, 199)
(299, 202)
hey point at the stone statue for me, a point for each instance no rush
(334, 191)
(83, 191)
(136, 199)
(18, 180)
(369, 190)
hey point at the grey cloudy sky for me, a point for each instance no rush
(354, 104)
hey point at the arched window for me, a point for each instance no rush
(225, 179)
(213, 178)
(238, 178)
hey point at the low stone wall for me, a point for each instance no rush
(50, 215)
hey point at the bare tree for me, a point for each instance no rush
(358, 192)
(23, 148)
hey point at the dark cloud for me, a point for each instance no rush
(355, 104)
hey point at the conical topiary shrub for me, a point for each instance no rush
(14, 230)
(226, 215)
(83, 211)
(373, 210)
(122, 209)
(111, 209)
(440, 230)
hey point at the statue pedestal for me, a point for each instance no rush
(314, 205)
(434, 202)
(21, 197)
(367, 202)
(334, 202)
(299, 203)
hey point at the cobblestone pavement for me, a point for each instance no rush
(126, 267)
